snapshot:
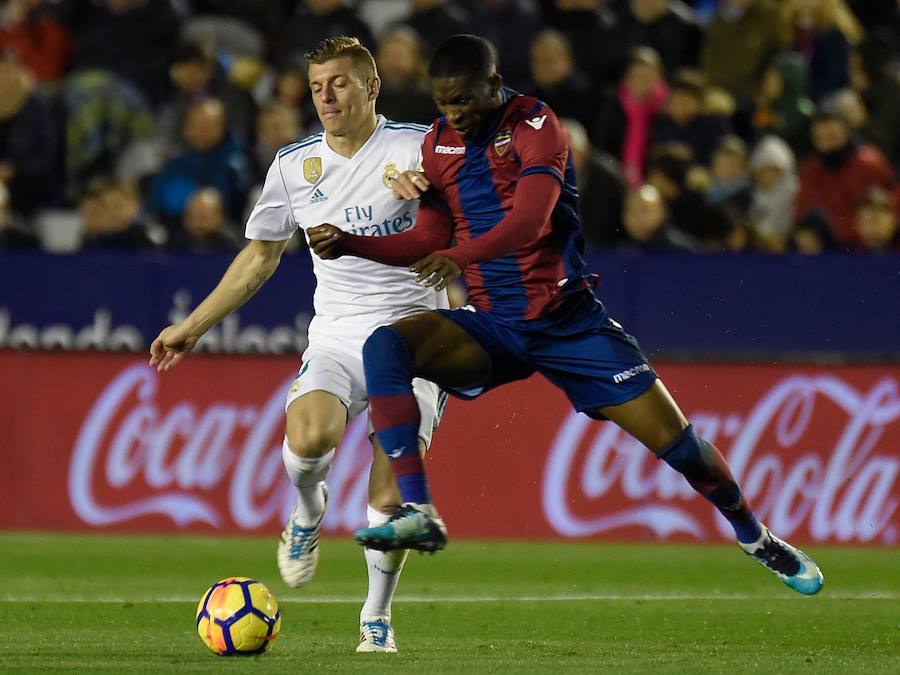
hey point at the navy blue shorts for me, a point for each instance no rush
(577, 347)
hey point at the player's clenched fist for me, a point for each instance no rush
(410, 185)
(170, 346)
(325, 241)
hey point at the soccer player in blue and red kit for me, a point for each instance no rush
(498, 179)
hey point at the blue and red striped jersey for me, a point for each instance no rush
(477, 181)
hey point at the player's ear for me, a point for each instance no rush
(373, 85)
(495, 81)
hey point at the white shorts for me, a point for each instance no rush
(338, 369)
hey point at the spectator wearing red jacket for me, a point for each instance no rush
(835, 179)
(38, 40)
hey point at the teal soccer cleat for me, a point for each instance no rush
(414, 526)
(791, 565)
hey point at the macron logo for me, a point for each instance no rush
(318, 196)
(536, 122)
(450, 149)
(619, 378)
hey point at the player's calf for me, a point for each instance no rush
(706, 471)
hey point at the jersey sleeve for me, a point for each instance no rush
(541, 144)
(429, 164)
(271, 218)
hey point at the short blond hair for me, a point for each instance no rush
(343, 46)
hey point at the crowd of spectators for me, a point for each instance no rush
(714, 125)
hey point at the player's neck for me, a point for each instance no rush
(348, 144)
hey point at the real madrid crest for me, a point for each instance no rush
(312, 169)
(502, 142)
(391, 173)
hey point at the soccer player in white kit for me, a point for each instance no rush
(342, 176)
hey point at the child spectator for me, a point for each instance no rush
(876, 223)
(730, 185)
(774, 187)
(812, 236)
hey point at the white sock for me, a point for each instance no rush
(384, 574)
(307, 474)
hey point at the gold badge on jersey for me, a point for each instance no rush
(391, 173)
(502, 142)
(312, 169)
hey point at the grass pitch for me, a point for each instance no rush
(126, 604)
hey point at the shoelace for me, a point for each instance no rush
(299, 538)
(410, 521)
(375, 632)
(779, 558)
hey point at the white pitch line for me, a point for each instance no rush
(327, 599)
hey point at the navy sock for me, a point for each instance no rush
(707, 472)
(389, 367)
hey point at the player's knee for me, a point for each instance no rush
(385, 348)
(683, 442)
(313, 439)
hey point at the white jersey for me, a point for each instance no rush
(309, 184)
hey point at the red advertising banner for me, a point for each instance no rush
(102, 441)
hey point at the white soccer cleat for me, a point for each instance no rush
(376, 636)
(298, 550)
(796, 569)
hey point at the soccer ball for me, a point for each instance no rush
(238, 616)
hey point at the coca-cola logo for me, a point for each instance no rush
(219, 466)
(816, 454)
(808, 455)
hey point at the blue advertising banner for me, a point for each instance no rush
(706, 306)
(120, 301)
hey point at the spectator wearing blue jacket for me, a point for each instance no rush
(213, 158)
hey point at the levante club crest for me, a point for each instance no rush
(391, 173)
(502, 142)
(312, 169)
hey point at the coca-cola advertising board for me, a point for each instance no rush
(102, 441)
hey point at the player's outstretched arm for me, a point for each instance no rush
(434, 228)
(249, 270)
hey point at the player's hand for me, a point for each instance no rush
(436, 270)
(410, 185)
(170, 346)
(325, 241)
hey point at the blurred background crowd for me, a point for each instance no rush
(707, 126)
